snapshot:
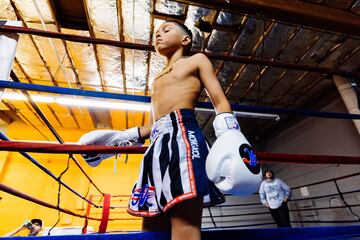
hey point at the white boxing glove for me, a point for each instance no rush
(129, 137)
(224, 122)
(231, 163)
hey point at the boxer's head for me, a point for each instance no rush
(171, 36)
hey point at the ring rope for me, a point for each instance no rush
(40, 202)
(52, 175)
(51, 128)
(245, 225)
(5, 138)
(14, 192)
(55, 148)
(19, 194)
(271, 223)
(146, 99)
(291, 200)
(84, 229)
(291, 210)
(59, 193)
(328, 180)
(19, 146)
(341, 194)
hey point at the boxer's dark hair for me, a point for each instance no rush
(186, 30)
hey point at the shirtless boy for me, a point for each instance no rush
(172, 185)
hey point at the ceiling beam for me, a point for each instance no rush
(4, 118)
(294, 12)
(144, 47)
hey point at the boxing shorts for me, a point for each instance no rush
(173, 167)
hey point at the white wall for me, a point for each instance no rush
(323, 137)
(311, 136)
(319, 136)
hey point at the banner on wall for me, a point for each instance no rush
(8, 44)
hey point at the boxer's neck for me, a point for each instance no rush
(169, 66)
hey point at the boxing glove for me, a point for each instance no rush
(224, 122)
(232, 164)
(129, 137)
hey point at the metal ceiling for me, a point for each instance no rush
(247, 29)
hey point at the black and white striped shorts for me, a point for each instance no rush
(173, 167)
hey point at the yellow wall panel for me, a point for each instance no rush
(59, 108)
(18, 71)
(118, 119)
(48, 114)
(3, 106)
(147, 117)
(83, 117)
(24, 80)
(42, 80)
(66, 120)
(28, 115)
(3, 155)
(20, 174)
(135, 118)
(19, 104)
(21, 131)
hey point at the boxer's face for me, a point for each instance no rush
(168, 38)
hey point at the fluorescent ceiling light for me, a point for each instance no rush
(246, 114)
(103, 104)
(144, 107)
(78, 102)
(22, 97)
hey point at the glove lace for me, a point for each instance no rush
(128, 143)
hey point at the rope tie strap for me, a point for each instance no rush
(105, 214)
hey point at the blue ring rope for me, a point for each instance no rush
(146, 99)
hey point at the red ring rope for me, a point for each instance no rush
(84, 229)
(14, 192)
(19, 146)
(19, 194)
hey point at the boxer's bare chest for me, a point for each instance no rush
(174, 88)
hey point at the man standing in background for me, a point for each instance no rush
(274, 194)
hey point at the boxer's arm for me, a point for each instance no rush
(134, 136)
(223, 167)
(224, 119)
(145, 130)
(212, 84)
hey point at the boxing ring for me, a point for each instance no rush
(102, 201)
(213, 232)
(210, 214)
